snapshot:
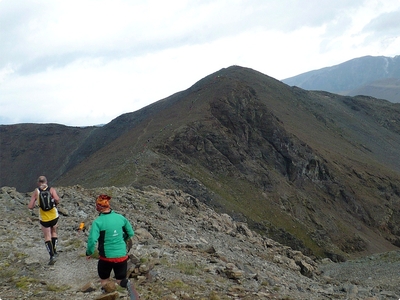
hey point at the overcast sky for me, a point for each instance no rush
(85, 62)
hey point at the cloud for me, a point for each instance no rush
(92, 60)
(55, 31)
(387, 24)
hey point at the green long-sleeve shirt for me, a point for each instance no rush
(110, 230)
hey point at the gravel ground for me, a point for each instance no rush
(379, 273)
(188, 250)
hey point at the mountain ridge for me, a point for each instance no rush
(368, 75)
(315, 170)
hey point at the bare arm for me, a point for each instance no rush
(31, 204)
(54, 195)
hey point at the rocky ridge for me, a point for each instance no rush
(318, 171)
(182, 249)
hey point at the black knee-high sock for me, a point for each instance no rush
(49, 247)
(54, 241)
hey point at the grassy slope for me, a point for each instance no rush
(344, 134)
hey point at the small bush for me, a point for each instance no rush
(24, 282)
(188, 268)
(214, 296)
(55, 288)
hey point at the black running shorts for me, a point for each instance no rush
(104, 269)
(51, 223)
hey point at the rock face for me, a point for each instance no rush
(182, 249)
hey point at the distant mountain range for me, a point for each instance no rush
(314, 170)
(376, 76)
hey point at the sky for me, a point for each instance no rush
(86, 62)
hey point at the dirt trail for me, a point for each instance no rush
(71, 268)
(24, 253)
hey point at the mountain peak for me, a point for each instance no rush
(353, 77)
(315, 170)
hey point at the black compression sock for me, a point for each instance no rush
(124, 283)
(49, 247)
(54, 242)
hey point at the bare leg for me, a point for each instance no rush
(54, 238)
(49, 244)
(54, 231)
(46, 233)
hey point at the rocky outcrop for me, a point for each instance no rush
(182, 249)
